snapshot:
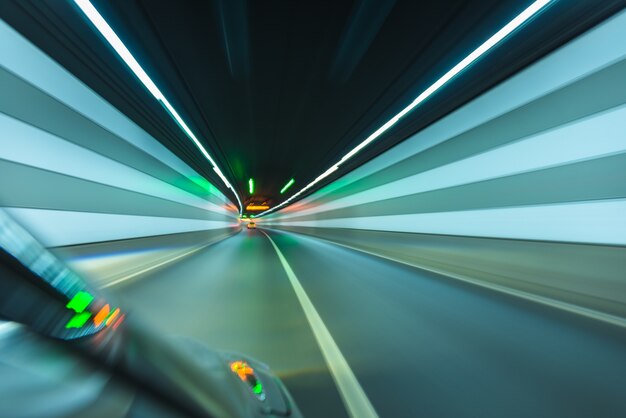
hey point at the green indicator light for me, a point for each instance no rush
(258, 388)
(251, 186)
(286, 186)
(79, 302)
(78, 320)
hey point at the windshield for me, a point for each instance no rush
(339, 209)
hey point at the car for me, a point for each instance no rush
(76, 352)
(251, 225)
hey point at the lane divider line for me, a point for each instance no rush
(352, 394)
(553, 303)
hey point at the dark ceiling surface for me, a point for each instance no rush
(283, 89)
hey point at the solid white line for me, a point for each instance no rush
(354, 398)
(553, 303)
(137, 273)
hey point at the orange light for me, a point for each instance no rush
(242, 369)
(112, 316)
(257, 207)
(101, 315)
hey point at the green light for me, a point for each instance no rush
(258, 388)
(200, 181)
(251, 186)
(79, 302)
(286, 186)
(78, 320)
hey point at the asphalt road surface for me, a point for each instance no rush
(419, 344)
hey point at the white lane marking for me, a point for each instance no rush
(553, 303)
(147, 269)
(354, 398)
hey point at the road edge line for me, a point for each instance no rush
(163, 263)
(354, 398)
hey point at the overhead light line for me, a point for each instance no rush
(494, 40)
(116, 43)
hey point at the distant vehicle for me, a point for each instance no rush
(251, 225)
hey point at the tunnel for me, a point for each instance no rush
(344, 208)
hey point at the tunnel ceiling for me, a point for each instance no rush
(282, 89)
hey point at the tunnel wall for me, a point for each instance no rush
(523, 187)
(74, 170)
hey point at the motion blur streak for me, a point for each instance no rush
(407, 287)
(124, 183)
(505, 31)
(523, 188)
(103, 27)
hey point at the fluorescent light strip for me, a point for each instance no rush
(286, 186)
(107, 32)
(529, 12)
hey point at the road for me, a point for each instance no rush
(419, 344)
